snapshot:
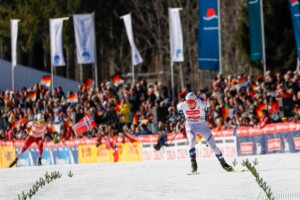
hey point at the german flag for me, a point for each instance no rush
(67, 124)
(225, 112)
(135, 119)
(31, 95)
(46, 81)
(243, 79)
(117, 79)
(259, 109)
(7, 101)
(72, 98)
(89, 83)
(274, 107)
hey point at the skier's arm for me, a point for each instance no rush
(207, 110)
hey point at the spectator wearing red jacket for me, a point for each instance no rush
(265, 119)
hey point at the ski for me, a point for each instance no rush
(235, 170)
(193, 173)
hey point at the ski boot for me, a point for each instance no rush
(39, 161)
(194, 165)
(14, 162)
(226, 166)
(223, 163)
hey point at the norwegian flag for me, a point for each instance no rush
(83, 125)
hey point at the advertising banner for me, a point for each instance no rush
(208, 35)
(8, 154)
(130, 152)
(254, 13)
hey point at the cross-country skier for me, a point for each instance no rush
(37, 130)
(195, 112)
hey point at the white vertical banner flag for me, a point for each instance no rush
(85, 38)
(57, 56)
(14, 36)
(135, 55)
(176, 40)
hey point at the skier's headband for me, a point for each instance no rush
(190, 101)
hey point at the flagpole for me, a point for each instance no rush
(172, 80)
(95, 50)
(263, 37)
(219, 37)
(52, 80)
(133, 74)
(12, 77)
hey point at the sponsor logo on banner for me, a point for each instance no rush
(171, 154)
(246, 147)
(253, 2)
(294, 2)
(269, 129)
(297, 142)
(210, 14)
(274, 145)
(158, 155)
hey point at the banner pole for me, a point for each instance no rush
(219, 37)
(12, 77)
(263, 37)
(172, 80)
(133, 74)
(51, 63)
(95, 50)
(52, 80)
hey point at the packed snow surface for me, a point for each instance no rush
(158, 180)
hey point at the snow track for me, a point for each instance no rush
(158, 180)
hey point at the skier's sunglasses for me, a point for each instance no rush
(190, 101)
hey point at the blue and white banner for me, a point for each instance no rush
(176, 39)
(208, 38)
(57, 56)
(135, 55)
(85, 38)
(256, 46)
(14, 36)
(295, 13)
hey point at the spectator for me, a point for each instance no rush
(144, 130)
(2, 135)
(265, 119)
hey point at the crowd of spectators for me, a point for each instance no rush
(235, 101)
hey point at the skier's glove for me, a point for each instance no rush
(181, 113)
(207, 111)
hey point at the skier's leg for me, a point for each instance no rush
(210, 140)
(192, 150)
(27, 144)
(39, 141)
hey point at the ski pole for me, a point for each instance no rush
(173, 139)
